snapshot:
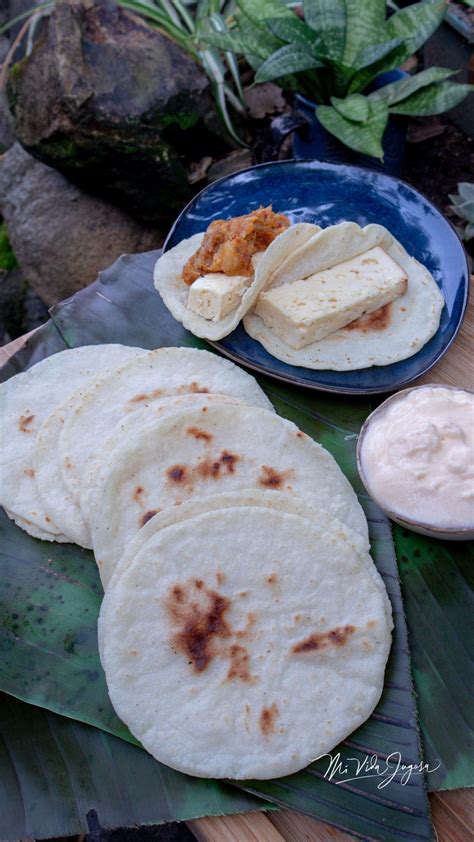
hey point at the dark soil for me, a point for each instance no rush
(435, 166)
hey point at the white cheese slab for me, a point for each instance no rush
(215, 295)
(305, 311)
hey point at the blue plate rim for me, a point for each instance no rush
(315, 386)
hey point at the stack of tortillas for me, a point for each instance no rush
(245, 629)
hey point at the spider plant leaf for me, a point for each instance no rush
(327, 18)
(218, 23)
(46, 7)
(435, 99)
(355, 107)
(362, 137)
(397, 91)
(292, 58)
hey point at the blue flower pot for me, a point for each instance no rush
(313, 141)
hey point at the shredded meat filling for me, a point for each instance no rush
(229, 244)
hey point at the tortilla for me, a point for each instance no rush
(190, 453)
(97, 467)
(245, 643)
(27, 399)
(276, 500)
(159, 374)
(174, 292)
(392, 333)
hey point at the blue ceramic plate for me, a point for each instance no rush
(311, 191)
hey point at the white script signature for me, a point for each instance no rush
(371, 766)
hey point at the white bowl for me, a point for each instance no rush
(457, 533)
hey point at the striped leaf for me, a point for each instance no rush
(416, 23)
(363, 137)
(435, 99)
(365, 26)
(397, 91)
(355, 108)
(328, 19)
(295, 31)
(288, 59)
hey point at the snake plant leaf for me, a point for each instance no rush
(363, 137)
(402, 88)
(434, 99)
(355, 108)
(259, 10)
(327, 18)
(375, 52)
(415, 24)
(62, 778)
(295, 31)
(292, 58)
(364, 27)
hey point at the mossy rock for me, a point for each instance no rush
(116, 107)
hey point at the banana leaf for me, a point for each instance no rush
(51, 596)
(60, 777)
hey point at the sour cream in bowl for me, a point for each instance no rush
(415, 456)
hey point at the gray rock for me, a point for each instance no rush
(61, 236)
(116, 106)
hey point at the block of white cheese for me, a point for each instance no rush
(215, 294)
(305, 311)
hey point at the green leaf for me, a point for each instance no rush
(354, 108)
(362, 137)
(416, 23)
(259, 10)
(288, 59)
(375, 52)
(328, 20)
(397, 91)
(295, 31)
(435, 99)
(365, 27)
(55, 771)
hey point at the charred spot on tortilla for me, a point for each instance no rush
(267, 719)
(324, 640)
(239, 668)
(199, 614)
(148, 516)
(229, 244)
(24, 423)
(138, 491)
(271, 478)
(199, 434)
(29, 472)
(177, 473)
(378, 320)
(272, 579)
(229, 460)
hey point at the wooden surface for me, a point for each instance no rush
(452, 812)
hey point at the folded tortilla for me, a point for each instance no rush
(394, 333)
(174, 292)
